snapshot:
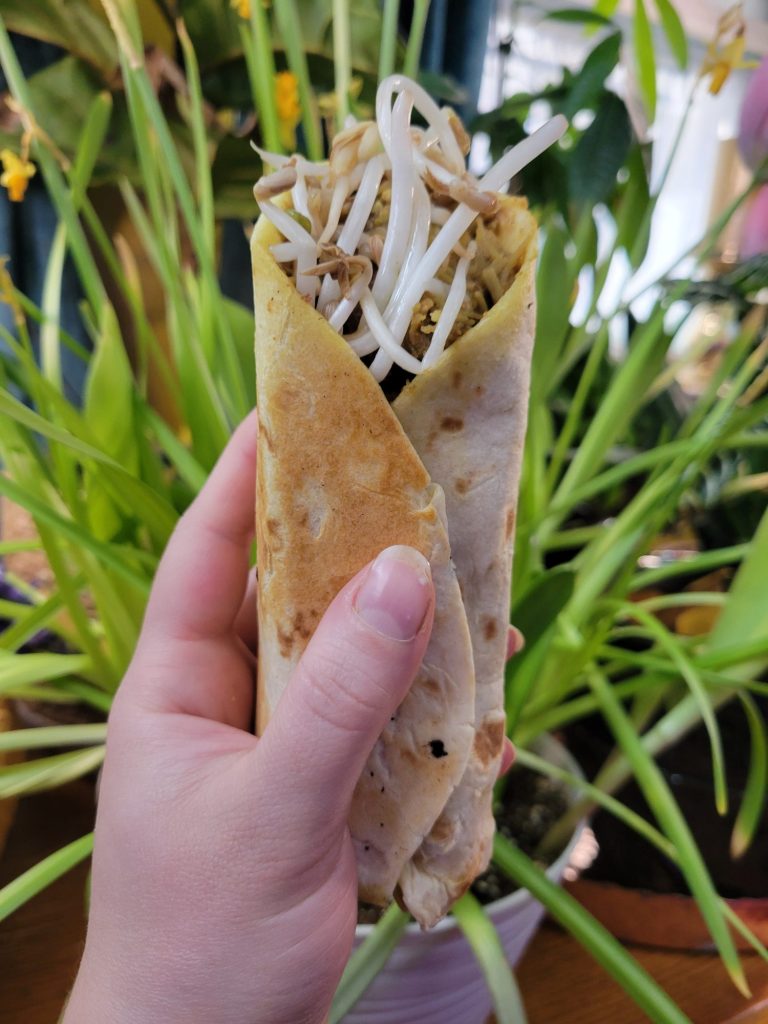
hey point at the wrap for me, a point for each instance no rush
(352, 460)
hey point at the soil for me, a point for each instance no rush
(629, 861)
(531, 804)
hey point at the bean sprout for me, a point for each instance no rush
(388, 216)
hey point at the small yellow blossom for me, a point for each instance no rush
(16, 174)
(243, 7)
(726, 51)
(288, 107)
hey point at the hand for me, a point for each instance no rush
(224, 880)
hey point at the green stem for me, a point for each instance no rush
(416, 38)
(388, 38)
(260, 63)
(289, 23)
(341, 59)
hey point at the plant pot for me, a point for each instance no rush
(7, 807)
(632, 888)
(433, 977)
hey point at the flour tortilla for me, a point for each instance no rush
(339, 479)
(466, 417)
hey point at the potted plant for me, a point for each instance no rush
(110, 478)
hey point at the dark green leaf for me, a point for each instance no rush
(77, 26)
(601, 152)
(674, 31)
(752, 806)
(535, 615)
(554, 284)
(582, 17)
(633, 218)
(588, 85)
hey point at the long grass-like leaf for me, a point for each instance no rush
(367, 960)
(37, 878)
(25, 669)
(342, 61)
(482, 936)
(688, 671)
(388, 46)
(667, 812)
(674, 31)
(752, 806)
(30, 621)
(645, 57)
(53, 736)
(290, 30)
(48, 772)
(598, 942)
(608, 803)
(416, 38)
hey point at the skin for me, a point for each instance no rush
(224, 880)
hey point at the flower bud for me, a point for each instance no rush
(753, 129)
(754, 229)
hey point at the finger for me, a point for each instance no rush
(246, 622)
(515, 641)
(507, 756)
(201, 579)
(354, 673)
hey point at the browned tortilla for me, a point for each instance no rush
(338, 481)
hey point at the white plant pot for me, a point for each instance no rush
(433, 977)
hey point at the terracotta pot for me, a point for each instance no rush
(665, 920)
(7, 807)
(433, 977)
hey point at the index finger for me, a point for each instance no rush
(201, 580)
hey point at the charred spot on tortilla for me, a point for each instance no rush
(438, 748)
(490, 629)
(452, 424)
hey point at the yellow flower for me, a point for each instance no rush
(16, 174)
(243, 7)
(726, 51)
(288, 107)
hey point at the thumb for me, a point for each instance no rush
(356, 670)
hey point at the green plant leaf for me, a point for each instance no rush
(53, 736)
(664, 807)
(645, 58)
(567, 14)
(76, 27)
(367, 960)
(535, 615)
(482, 936)
(674, 31)
(608, 952)
(601, 152)
(18, 892)
(48, 772)
(25, 669)
(752, 805)
(606, 7)
(633, 220)
(588, 85)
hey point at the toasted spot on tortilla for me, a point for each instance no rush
(490, 628)
(488, 741)
(452, 424)
(510, 523)
(462, 485)
(457, 379)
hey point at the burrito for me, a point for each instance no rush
(394, 323)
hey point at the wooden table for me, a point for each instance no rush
(40, 945)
